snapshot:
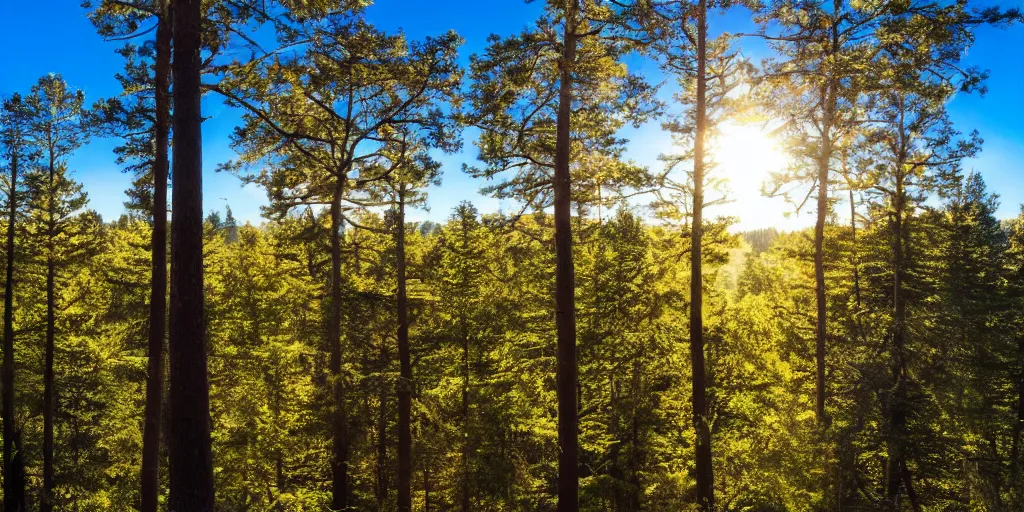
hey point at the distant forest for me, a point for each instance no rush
(605, 346)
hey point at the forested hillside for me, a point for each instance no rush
(609, 344)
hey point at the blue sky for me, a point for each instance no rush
(44, 36)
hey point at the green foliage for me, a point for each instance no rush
(341, 126)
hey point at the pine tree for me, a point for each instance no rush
(388, 83)
(15, 119)
(819, 84)
(709, 74)
(1015, 294)
(459, 286)
(142, 118)
(524, 86)
(621, 315)
(970, 334)
(261, 356)
(191, 464)
(406, 169)
(58, 128)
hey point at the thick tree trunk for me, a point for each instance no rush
(405, 364)
(158, 281)
(701, 422)
(191, 464)
(565, 286)
(14, 483)
(339, 418)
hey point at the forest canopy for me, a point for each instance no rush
(605, 341)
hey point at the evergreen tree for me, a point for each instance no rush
(57, 130)
(15, 119)
(1015, 279)
(261, 356)
(460, 260)
(191, 464)
(142, 118)
(406, 169)
(389, 84)
(524, 86)
(975, 356)
(819, 84)
(709, 76)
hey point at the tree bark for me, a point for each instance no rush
(14, 483)
(819, 270)
(856, 255)
(897, 401)
(828, 99)
(382, 433)
(701, 422)
(897, 406)
(404, 361)
(191, 465)
(339, 418)
(565, 286)
(46, 501)
(158, 281)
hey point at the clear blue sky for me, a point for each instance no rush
(44, 36)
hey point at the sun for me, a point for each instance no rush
(747, 152)
(745, 156)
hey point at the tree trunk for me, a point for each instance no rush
(856, 255)
(820, 332)
(897, 402)
(46, 501)
(339, 418)
(701, 422)
(158, 282)
(14, 483)
(191, 465)
(405, 378)
(565, 286)
(382, 432)
(828, 99)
